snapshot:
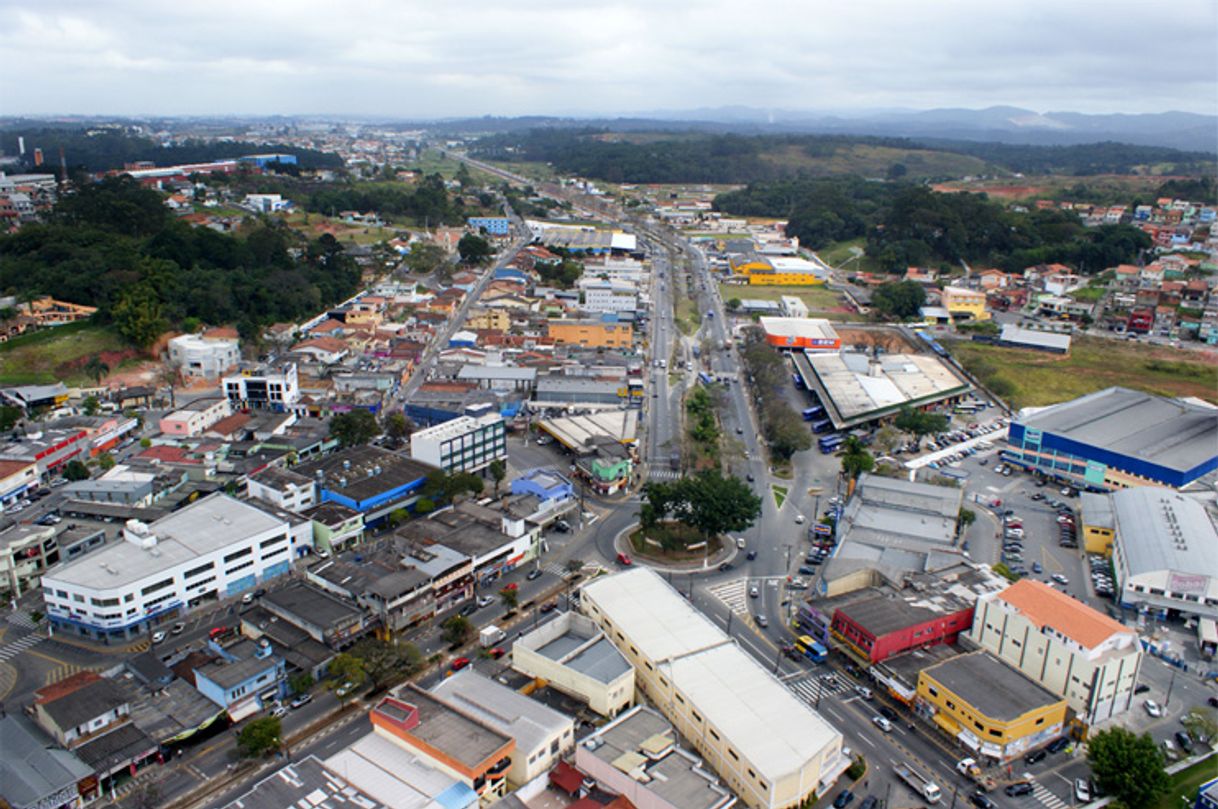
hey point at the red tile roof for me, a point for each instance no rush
(1045, 606)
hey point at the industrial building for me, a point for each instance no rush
(769, 747)
(1116, 438)
(856, 387)
(367, 479)
(1059, 642)
(1013, 336)
(464, 444)
(808, 333)
(761, 270)
(990, 708)
(573, 656)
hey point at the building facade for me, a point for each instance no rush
(464, 444)
(277, 390)
(195, 418)
(199, 357)
(591, 333)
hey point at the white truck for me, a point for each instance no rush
(969, 769)
(918, 782)
(490, 635)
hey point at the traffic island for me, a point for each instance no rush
(672, 547)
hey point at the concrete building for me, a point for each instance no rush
(993, 710)
(16, 478)
(211, 549)
(1117, 438)
(1097, 522)
(965, 304)
(1165, 556)
(779, 271)
(793, 306)
(244, 678)
(573, 656)
(1014, 336)
(35, 774)
(447, 739)
(367, 479)
(493, 538)
(26, 551)
(1059, 642)
(608, 296)
(199, 357)
(393, 776)
(267, 389)
(49, 450)
(637, 756)
(283, 487)
(812, 334)
(543, 736)
(770, 748)
(327, 619)
(493, 225)
(196, 417)
(591, 333)
(465, 444)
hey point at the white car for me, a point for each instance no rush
(1082, 790)
(1152, 708)
(484, 600)
(881, 723)
(740, 543)
(754, 592)
(1060, 579)
(799, 519)
(158, 637)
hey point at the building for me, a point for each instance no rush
(1059, 642)
(770, 748)
(608, 296)
(1165, 553)
(1097, 521)
(392, 775)
(35, 774)
(813, 334)
(1115, 438)
(367, 479)
(591, 333)
(119, 484)
(779, 271)
(327, 619)
(283, 487)
(990, 708)
(266, 203)
(793, 306)
(858, 388)
(243, 678)
(447, 739)
(277, 389)
(1013, 336)
(398, 594)
(493, 225)
(25, 552)
(197, 356)
(196, 417)
(49, 450)
(572, 655)
(543, 736)
(211, 549)
(637, 756)
(877, 627)
(494, 538)
(464, 444)
(16, 478)
(964, 304)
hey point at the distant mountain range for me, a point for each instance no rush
(1177, 130)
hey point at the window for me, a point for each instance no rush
(238, 554)
(268, 542)
(160, 585)
(934, 692)
(714, 735)
(104, 602)
(996, 733)
(732, 753)
(696, 717)
(241, 566)
(554, 747)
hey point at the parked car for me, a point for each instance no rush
(754, 592)
(762, 621)
(888, 713)
(981, 801)
(178, 628)
(1057, 745)
(535, 573)
(484, 601)
(882, 723)
(1018, 789)
(301, 701)
(1082, 790)
(549, 606)
(843, 799)
(468, 610)
(1060, 579)
(458, 663)
(158, 637)
(1184, 740)
(497, 652)
(1036, 756)
(279, 712)
(1152, 708)
(1037, 567)
(623, 559)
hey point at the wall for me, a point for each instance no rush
(1015, 736)
(607, 699)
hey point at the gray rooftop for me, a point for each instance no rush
(1153, 429)
(501, 372)
(903, 515)
(311, 604)
(303, 783)
(1054, 341)
(85, 703)
(995, 689)
(446, 729)
(526, 720)
(32, 769)
(581, 646)
(880, 615)
(1096, 510)
(119, 746)
(278, 477)
(859, 388)
(368, 471)
(1162, 530)
(228, 675)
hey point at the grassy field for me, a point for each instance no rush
(1033, 378)
(874, 161)
(1184, 784)
(319, 223)
(817, 298)
(55, 354)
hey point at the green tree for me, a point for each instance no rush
(899, 299)
(385, 661)
(145, 442)
(397, 426)
(75, 470)
(259, 737)
(510, 597)
(457, 630)
(301, 682)
(96, 369)
(574, 565)
(398, 516)
(347, 667)
(497, 468)
(137, 315)
(9, 416)
(146, 796)
(919, 423)
(1128, 767)
(474, 249)
(733, 304)
(90, 406)
(1200, 722)
(886, 439)
(106, 460)
(354, 428)
(425, 257)
(856, 459)
(967, 517)
(707, 502)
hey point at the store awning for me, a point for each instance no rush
(243, 710)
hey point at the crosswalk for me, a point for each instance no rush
(734, 594)
(63, 672)
(1046, 797)
(13, 648)
(662, 474)
(20, 619)
(811, 689)
(555, 569)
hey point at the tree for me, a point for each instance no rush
(919, 423)
(474, 249)
(398, 516)
(856, 459)
(137, 315)
(510, 597)
(1200, 722)
(886, 439)
(348, 667)
(301, 682)
(899, 299)
(259, 737)
(106, 460)
(354, 428)
(498, 470)
(425, 257)
(384, 661)
(397, 426)
(457, 630)
(75, 470)
(733, 304)
(90, 406)
(707, 502)
(146, 796)
(967, 517)
(574, 565)
(96, 369)
(1128, 767)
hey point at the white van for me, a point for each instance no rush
(740, 543)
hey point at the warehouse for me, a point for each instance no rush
(809, 333)
(1115, 438)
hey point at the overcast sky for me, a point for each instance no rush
(473, 57)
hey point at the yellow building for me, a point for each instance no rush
(591, 333)
(1098, 523)
(778, 271)
(965, 303)
(491, 319)
(990, 708)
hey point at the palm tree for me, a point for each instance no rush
(96, 369)
(856, 459)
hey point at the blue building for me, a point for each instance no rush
(544, 483)
(250, 677)
(1207, 795)
(370, 480)
(494, 225)
(1115, 438)
(264, 160)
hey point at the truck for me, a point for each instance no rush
(969, 769)
(490, 635)
(918, 782)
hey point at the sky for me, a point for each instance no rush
(446, 58)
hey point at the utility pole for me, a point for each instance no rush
(1171, 683)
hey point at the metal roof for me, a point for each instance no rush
(989, 686)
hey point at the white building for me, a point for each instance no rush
(793, 306)
(211, 549)
(283, 487)
(200, 357)
(277, 389)
(196, 417)
(1063, 645)
(573, 656)
(615, 269)
(543, 735)
(265, 203)
(769, 747)
(464, 444)
(608, 296)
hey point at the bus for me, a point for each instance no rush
(969, 407)
(810, 649)
(813, 413)
(822, 426)
(830, 443)
(705, 378)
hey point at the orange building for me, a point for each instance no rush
(592, 333)
(800, 333)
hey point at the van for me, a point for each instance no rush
(740, 543)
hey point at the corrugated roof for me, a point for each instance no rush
(1045, 606)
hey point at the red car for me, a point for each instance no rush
(623, 559)
(549, 605)
(511, 586)
(459, 663)
(219, 632)
(497, 653)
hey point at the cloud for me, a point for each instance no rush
(475, 57)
